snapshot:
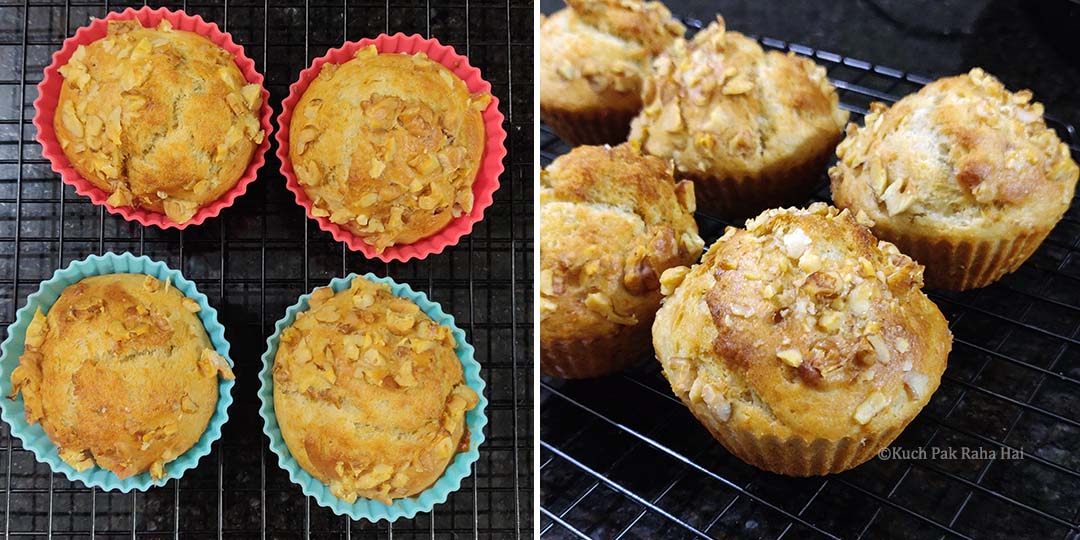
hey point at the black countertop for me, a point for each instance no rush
(1025, 44)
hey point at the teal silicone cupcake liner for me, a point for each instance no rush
(33, 437)
(365, 508)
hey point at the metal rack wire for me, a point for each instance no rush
(622, 458)
(258, 257)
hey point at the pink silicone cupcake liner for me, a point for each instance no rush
(49, 93)
(487, 178)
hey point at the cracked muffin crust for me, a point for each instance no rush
(963, 175)
(752, 129)
(388, 145)
(803, 343)
(593, 57)
(132, 118)
(612, 221)
(369, 393)
(120, 373)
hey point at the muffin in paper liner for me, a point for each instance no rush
(778, 187)
(965, 176)
(802, 343)
(593, 127)
(796, 456)
(458, 469)
(35, 439)
(961, 265)
(594, 357)
(487, 177)
(49, 94)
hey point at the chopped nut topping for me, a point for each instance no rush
(791, 357)
(191, 305)
(211, 364)
(859, 298)
(795, 243)
(902, 345)
(151, 284)
(671, 279)
(720, 407)
(601, 304)
(881, 349)
(157, 470)
(830, 320)
(809, 262)
(869, 408)
(916, 384)
(547, 287)
(737, 85)
(80, 460)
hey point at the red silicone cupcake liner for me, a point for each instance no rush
(487, 178)
(49, 94)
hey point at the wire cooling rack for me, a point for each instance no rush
(622, 458)
(257, 258)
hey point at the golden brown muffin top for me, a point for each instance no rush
(594, 53)
(369, 393)
(719, 106)
(613, 220)
(961, 155)
(160, 118)
(120, 373)
(388, 145)
(802, 324)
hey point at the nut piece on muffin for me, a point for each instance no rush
(611, 221)
(593, 57)
(120, 373)
(160, 119)
(803, 343)
(370, 394)
(963, 175)
(388, 145)
(752, 129)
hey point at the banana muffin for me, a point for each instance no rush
(388, 146)
(752, 129)
(369, 393)
(802, 343)
(611, 221)
(120, 373)
(963, 175)
(160, 119)
(593, 57)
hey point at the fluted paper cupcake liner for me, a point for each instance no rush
(796, 456)
(487, 177)
(593, 127)
(49, 95)
(960, 265)
(459, 468)
(746, 197)
(595, 357)
(34, 438)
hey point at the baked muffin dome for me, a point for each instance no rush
(752, 129)
(963, 175)
(369, 393)
(613, 220)
(803, 343)
(593, 57)
(388, 145)
(120, 372)
(161, 119)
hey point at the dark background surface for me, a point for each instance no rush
(256, 259)
(622, 458)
